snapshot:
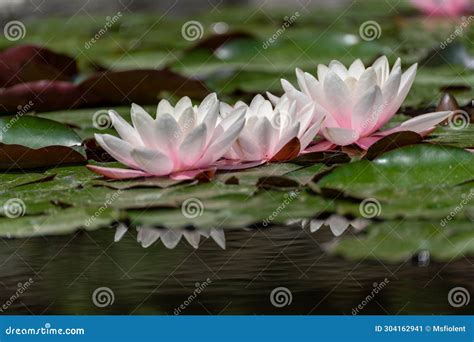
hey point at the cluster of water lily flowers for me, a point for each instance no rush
(343, 106)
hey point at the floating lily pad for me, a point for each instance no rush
(29, 142)
(409, 167)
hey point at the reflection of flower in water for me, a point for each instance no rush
(338, 224)
(171, 236)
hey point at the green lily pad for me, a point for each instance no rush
(30, 142)
(423, 165)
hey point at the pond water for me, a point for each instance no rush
(65, 271)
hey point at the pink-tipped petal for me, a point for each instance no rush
(340, 136)
(420, 124)
(117, 173)
(365, 143)
(152, 161)
(117, 148)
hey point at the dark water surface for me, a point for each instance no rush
(67, 270)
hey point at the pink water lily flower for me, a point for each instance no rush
(273, 133)
(357, 101)
(182, 141)
(451, 8)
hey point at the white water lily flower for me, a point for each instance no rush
(182, 141)
(268, 130)
(358, 101)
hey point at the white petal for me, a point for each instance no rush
(193, 145)
(340, 136)
(382, 68)
(310, 134)
(124, 129)
(367, 79)
(168, 134)
(147, 236)
(183, 104)
(338, 98)
(192, 236)
(367, 110)
(171, 237)
(117, 148)
(390, 88)
(120, 232)
(322, 72)
(266, 137)
(187, 121)
(218, 235)
(356, 69)
(425, 122)
(210, 103)
(337, 224)
(144, 125)
(225, 109)
(338, 68)
(273, 99)
(163, 108)
(221, 145)
(302, 81)
(314, 225)
(152, 161)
